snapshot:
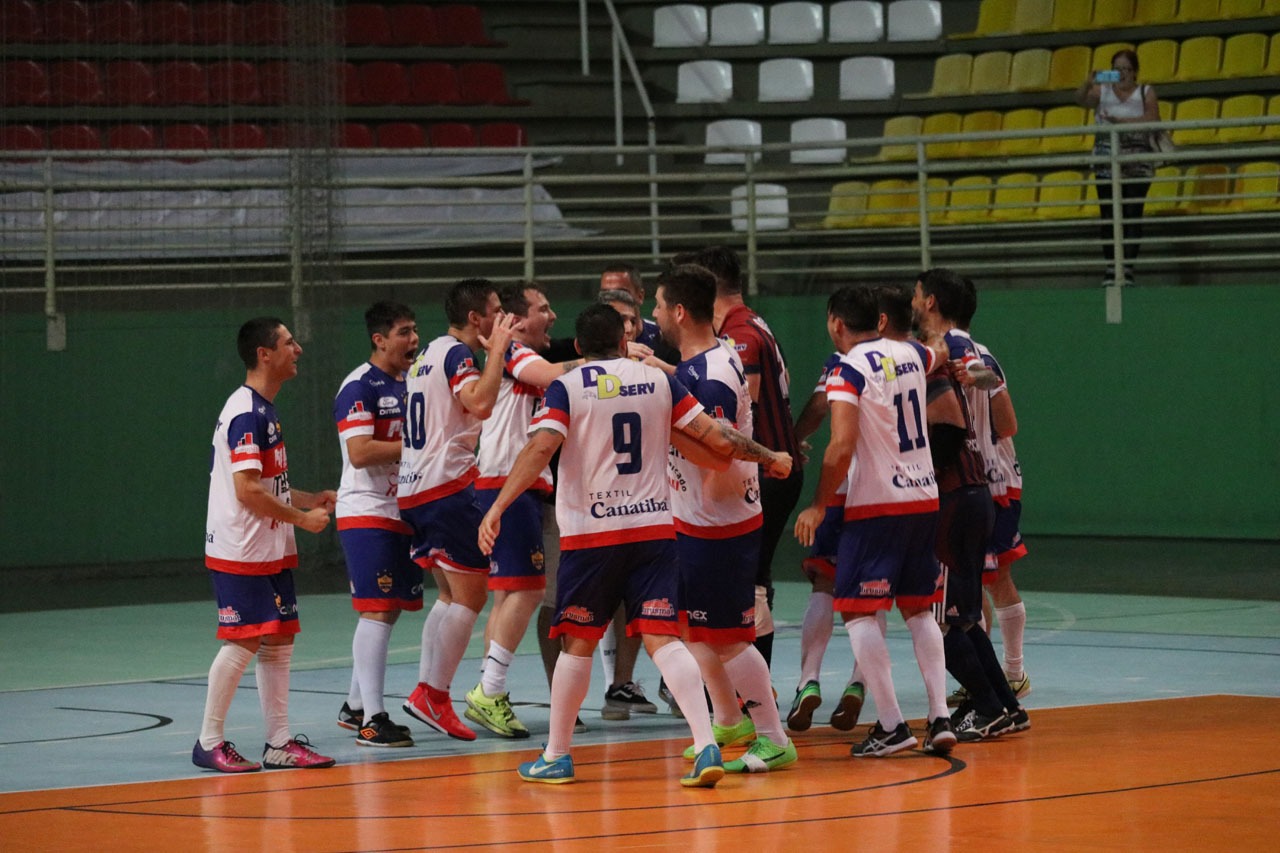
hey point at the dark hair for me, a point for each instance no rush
(947, 288)
(1129, 55)
(608, 297)
(692, 286)
(382, 317)
(856, 307)
(470, 294)
(631, 271)
(513, 297)
(894, 301)
(258, 332)
(598, 331)
(965, 319)
(723, 264)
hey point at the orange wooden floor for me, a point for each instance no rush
(1178, 774)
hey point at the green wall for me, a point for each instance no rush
(1165, 425)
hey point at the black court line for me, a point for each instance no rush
(160, 722)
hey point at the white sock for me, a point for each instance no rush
(764, 616)
(608, 654)
(725, 710)
(369, 649)
(815, 634)
(1013, 623)
(569, 687)
(926, 640)
(494, 678)
(224, 677)
(882, 622)
(354, 700)
(451, 645)
(272, 673)
(430, 628)
(680, 671)
(750, 676)
(872, 654)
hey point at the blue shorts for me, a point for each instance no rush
(445, 531)
(383, 577)
(888, 558)
(826, 541)
(592, 582)
(518, 560)
(718, 587)
(255, 605)
(1006, 542)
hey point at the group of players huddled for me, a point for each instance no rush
(675, 479)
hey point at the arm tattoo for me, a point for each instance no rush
(745, 448)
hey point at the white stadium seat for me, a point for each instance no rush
(866, 78)
(855, 21)
(737, 23)
(795, 23)
(704, 81)
(733, 131)
(915, 20)
(679, 25)
(786, 80)
(818, 130)
(771, 211)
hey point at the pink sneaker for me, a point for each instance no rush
(434, 708)
(222, 758)
(296, 752)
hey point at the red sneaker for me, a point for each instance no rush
(434, 708)
(296, 752)
(224, 758)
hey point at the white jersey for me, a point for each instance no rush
(506, 432)
(960, 346)
(1004, 461)
(247, 438)
(369, 402)
(894, 473)
(616, 416)
(821, 388)
(438, 458)
(716, 504)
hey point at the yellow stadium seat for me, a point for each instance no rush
(1033, 16)
(1196, 109)
(995, 17)
(1063, 117)
(1273, 56)
(1257, 187)
(1014, 199)
(1069, 65)
(1148, 12)
(1166, 110)
(1102, 54)
(1207, 190)
(900, 126)
(1200, 58)
(1239, 107)
(935, 198)
(1061, 195)
(847, 207)
(1158, 60)
(1270, 7)
(951, 74)
(1244, 55)
(990, 72)
(1071, 17)
(1240, 9)
(891, 203)
(1029, 70)
(1112, 13)
(1162, 198)
(969, 201)
(1272, 131)
(1023, 119)
(982, 121)
(1197, 10)
(941, 123)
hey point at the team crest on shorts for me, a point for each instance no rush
(577, 613)
(384, 583)
(659, 607)
(874, 589)
(539, 560)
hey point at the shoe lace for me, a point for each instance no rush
(229, 752)
(632, 689)
(302, 741)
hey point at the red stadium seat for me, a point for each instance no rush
(452, 134)
(74, 82)
(485, 83)
(383, 83)
(233, 82)
(216, 22)
(181, 83)
(503, 134)
(413, 24)
(23, 83)
(366, 23)
(240, 137)
(167, 22)
(186, 136)
(21, 137)
(354, 135)
(349, 85)
(116, 22)
(128, 82)
(66, 22)
(273, 82)
(264, 22)
(20, 22)
(401, 134)
(434, 83)
(462, 25)
(74, 137)
(132, 137)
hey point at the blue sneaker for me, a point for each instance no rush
(556, 772)
(708, 769)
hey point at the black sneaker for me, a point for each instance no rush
(1021, 721)
(354, 720)
(378, 730)
(621, 701)
(578, 726)
(939, 737)
(880, 743)
(972, 726)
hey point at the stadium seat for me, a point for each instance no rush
(166, 22)
(866, 78)
(990, 72)
(127, 82)
(132, 137)
(951, 74)
(485, 83)
(233, 82)
(1162, 197)
(216, 22)
(24, 83)
(1196, 109)
(349, 91)
(413, 25)
(1272, 131)
(354, 135)
(1241, 107)
(65, 22)
(1072, 16)
(1199, 58)
(403, 134)
(1102, 54)
(819, 130)
(72, 82)
(265, 22)
(1231, 9)
(74, 137)
(736, 24)
(785, 80)
(21, 137)
(434, 83)
(365, 24)
(704, 81)
(240, 136)
(1033, 16)
(1014, 197)
(938, 123)
(1027, 118)
(1272, 68)
(680, 25)
(1069, 65)
(1029, 70)
(770, 209)
(1111, 14)
(502, 134)
(900, 125)
(795, 23)
(1064, 117)
(891, 203)
(1061, 195)
(384, 83)
(115, 22)
(995, 17)
(1197, 10)
(452, 134)
(855, 21)
(186, 137)
(847, 206)
(1147, 13)
(981, 121)
(915, 20)
(179, 83)
(273, 82)
(21, 22)
(1257, 187)
(1207, 189)
(462, 25)
(737, 132)
(1158, 60)
(1244, 55)
(1270, 7)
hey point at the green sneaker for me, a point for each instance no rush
(808, 698)
(727, 736)
(762, 756)
(494, 713)
(845, 716)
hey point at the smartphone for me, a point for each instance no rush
(1106, 77)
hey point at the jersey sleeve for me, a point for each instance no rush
(720, 401)
(827, 367)
(845, 384)
(747, 345)
(553, 412)
(684, 406)
(928, 357)
(246, 437)
(353, 410)
(518, 359)
(460, 367)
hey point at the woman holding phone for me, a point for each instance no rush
(1117, 98)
